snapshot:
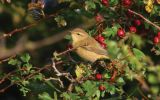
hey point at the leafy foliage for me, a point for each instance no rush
(132, 54)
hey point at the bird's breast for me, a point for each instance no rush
(88, 55)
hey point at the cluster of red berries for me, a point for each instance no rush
(101, 39)
(125, 3)
(156, 39)
(121, 32)
(99, 77)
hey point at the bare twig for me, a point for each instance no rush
(55, 79)
(17, 30)
(25, 78)
(148, 21)
(58, 73)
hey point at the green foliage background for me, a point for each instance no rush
(132, 53)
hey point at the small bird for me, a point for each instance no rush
(86, 46)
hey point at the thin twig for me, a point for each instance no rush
(148, 21)
(55, 79)
(25, 27)
(58, 73)
(66, 51)
(27, 77)
(6, 59)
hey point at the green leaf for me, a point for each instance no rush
(55, 96)
(24, 82)
(39, 76)
(120, 81)
(24, 90)
(113, 2)
(139, 54)
(25, 57)
(45, 96)
(78, 89)
(68, 37)
(110, 88)
(89, 5)
(70, 96)
(60, 21)
(88, 86)
(111, 32)
(152, 79)
(14, 79)
(136, 40)
(28, 66)
(65, 95)
(13, 62)
(107, 75)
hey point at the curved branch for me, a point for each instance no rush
(148, 21)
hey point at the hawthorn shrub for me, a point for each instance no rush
(37, 58)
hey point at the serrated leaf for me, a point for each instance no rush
(25, 57)
(88, 86)
(13, 62)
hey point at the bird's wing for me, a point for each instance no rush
(95, 48)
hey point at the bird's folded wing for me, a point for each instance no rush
(95, 48)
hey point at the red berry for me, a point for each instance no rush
(103, 45)
(137, 22)
(98, 76)
(120, 33)
(100, 38)
(99, 18)
(133, 29)
(158, 34)
(126, 3)
(102, 88)
(156, 40)
(105, 3)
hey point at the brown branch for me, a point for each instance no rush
(25, 27)
(27, 77)
(16, 30)
(31, 46)
(148, 21)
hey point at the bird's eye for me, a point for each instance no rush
(78, 34)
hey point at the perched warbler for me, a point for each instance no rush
(86, 46)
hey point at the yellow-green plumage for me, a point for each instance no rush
(87, 47)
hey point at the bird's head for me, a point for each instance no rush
(78, 34)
